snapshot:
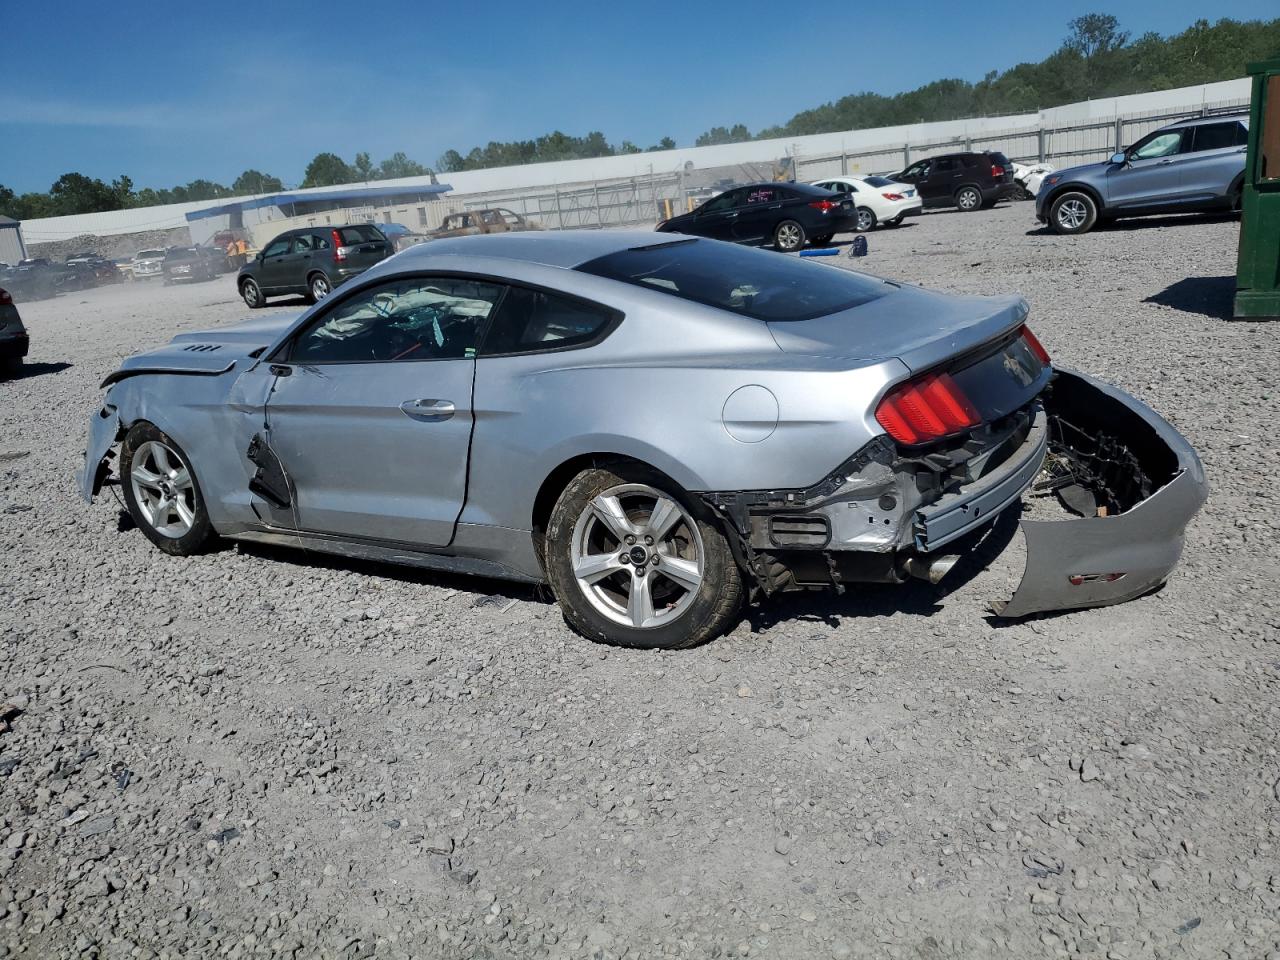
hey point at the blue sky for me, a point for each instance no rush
(172, 92)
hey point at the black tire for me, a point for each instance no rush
(200, 535)
(708, 610)
(1073, 212)
(896, 221)
(866, 220)
(789, 236)
(252, 293)
(318, 287)
(1235, 198)
(968, 198)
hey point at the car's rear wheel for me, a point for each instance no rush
(896, 221)
(788, 236)
(635, 562)
(1073, 212)
(318, 287)
(866, 220)
(162, 492)
(968, 199)
(252, 293)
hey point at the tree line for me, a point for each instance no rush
(1096, 59)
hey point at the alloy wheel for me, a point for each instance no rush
(637, 556)
(865, 219)
(1072, 214)
(788, 236)
(163, 489)
(968, 200)
(319, 287)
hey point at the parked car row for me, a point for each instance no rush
(1190, 166)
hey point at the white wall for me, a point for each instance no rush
(668, 161)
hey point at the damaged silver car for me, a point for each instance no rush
(659, 427)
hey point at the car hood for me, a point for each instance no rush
(207, 352)
(919, 327)
(1081, 171)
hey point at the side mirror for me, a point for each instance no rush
(1119, 158)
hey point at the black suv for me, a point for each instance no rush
(967, 181)
(311, 261)
(786, 215)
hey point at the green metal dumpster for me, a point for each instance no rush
(1258, 267)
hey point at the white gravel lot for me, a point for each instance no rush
(260, 753)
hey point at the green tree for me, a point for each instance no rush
(328, 170)
(399, 165)
(75, 193)
(451, 161)
(8, 203)
(363, 167)
(252, 181)
(1095, 33)
(666, 143)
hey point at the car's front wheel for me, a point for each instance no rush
(1073, 212)
(789, 236)
(635, 562)
(252, 293)
(162, 492)
(968, 199)
(866, 220)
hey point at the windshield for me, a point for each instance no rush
(755, 283)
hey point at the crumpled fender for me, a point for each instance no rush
(1101, 560)
(104, 432)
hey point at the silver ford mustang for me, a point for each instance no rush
(659, 427)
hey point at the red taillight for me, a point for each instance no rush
(1036, 347)
(824, 205)
(892, 196)
(997, 171)
(339, 251)
(5, 298)
(926, 409)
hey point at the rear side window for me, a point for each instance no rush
(944, 165)
(531, 320)
(998, 158)
(359, 234)
(1218, 136)
(754, 283)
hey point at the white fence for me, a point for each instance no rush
(1064, 145)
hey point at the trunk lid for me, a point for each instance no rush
(918, 327)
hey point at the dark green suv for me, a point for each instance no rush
(311, 261)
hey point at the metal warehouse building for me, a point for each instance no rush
(12, 249)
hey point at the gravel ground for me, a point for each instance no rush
(266, 754)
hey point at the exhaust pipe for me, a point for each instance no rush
(932, 569)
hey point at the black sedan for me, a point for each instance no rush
(785, 215)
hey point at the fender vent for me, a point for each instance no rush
(202, 347)
(787, 531)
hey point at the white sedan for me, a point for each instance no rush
(878, 199)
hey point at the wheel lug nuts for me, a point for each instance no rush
(649, 540)
(630, 539)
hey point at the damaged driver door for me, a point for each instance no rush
(370, 417)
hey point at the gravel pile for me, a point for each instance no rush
(115, 245)
(264, 754)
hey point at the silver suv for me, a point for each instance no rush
(1187, 167)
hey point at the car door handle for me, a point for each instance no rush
(730, 216)
(428, 411)
(1163, 162)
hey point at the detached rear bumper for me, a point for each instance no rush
(1133, 480)
(1116, 448)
